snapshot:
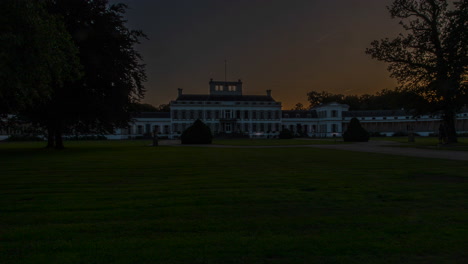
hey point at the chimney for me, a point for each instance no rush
(268, 93)
(180, 91)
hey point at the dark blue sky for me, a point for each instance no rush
(288, 46)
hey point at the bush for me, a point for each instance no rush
(285, 134)
(355, 132)
(198, 133)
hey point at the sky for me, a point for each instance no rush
(289, 46)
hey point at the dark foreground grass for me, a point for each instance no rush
(123, 202)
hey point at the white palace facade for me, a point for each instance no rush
(226, 110)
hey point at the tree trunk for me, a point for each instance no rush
(54, 135)
(58, 137)
(450, 130)
(50, 136)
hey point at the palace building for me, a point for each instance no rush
(227, 110)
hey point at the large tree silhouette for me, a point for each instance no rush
(113, 74)
(431, 58)
(36, 54)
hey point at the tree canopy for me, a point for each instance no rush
(431, 59)
(113, 74)
(384, 100)
(36, 54)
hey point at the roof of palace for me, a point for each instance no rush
(375, 113)
(299, 114)
(208, 97)
(153, 115)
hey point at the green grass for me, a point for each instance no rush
(124, 202)
(276, 142)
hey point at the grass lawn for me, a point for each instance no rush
(124, 202)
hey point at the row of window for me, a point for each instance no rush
(217, 103)
(148, 128)
(225, 114)
(229, 127)
(231, 88)
(323, 114)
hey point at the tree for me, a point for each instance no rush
(113, 73)
(299, 107)
(36, 54)
(431, 59)
(198, 133)
(138, 108)
(164, 108)
(316, 98)
(285, 134)
(355, 132)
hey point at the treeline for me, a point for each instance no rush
(139, 107)
(383, 100)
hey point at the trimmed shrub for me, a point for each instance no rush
(355, 132)
(285, 134)
(198, 133)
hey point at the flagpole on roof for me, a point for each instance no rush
(225, 70)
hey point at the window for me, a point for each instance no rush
(334, 128)
(232, 88)
(246, 114)
(334, 113)
(227, 114)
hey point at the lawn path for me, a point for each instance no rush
(382, 147)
